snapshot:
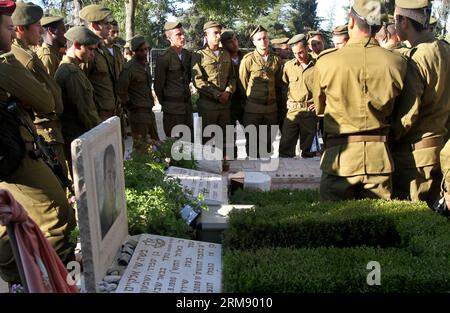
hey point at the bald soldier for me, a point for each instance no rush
(316, 43)
(300, 121)
(136, 93)
(423, 108)
(357, 104)
(340, 36)
(26, 19)
(80, 114)
(172, 79)
(259, 77)
(32, 183)
(213, 75)
(50, 51)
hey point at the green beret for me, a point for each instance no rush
(313, 33)
(296, 38)
(136, 42)
(46, 20)
(226, 35)
(211, 24)
(258, 29)
(373, 12)
(26, 14)
(82, 35)
(279, 41)
(412, 4)
(172, 25)
(95, 13)
(340, 30)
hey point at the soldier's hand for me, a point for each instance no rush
(289, 105)
(224, 97)
(311, 107)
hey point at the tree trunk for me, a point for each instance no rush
(130, 10)
(76, 12)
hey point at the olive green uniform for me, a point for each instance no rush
(50, 57)
(48, 125)
(300, 123)
(356, 97)
(421, 122)
(136, 93)
(213, 75)
(259, 79)
(172, 79)
(80, 114)
(445, 167)
(33, 184)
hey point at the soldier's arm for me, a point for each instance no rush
(123, 85)
(231, 86)
(20, 83)
(160, 77)
(202, 85)
(284, 86)
(47, 61)
(244, 75)
(408, 103)
(318, 94)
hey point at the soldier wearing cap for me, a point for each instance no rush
(281, 47)
(213, 75)
(32, 184)
(172, 79)
(115, 51)
(50, 51)
(357, 104)
(80, 113)
(127, 54)
(424, 106)
(340, 36)
(101, 70)
(231, 44)
(26, 18)
(259, 77)
(387, 36)
(136, 93)
(300, 121)
(316, 43)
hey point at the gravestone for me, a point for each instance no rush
(257, 181)
(100, 192)
(208, 160)
(172, 265)
(212, 186)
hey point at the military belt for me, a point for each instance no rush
(295, 105)
(421, 144)
(261, 102)
(332, 142)
(175, 99)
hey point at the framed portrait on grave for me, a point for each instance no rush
(97, 160)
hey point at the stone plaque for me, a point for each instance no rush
(172, 265)
(100, 193)
(212, 186)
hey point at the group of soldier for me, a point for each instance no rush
(382, 105)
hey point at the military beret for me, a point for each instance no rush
(313, 33)
(258, 29)
(7, 7)
(46, 20)
(296, 38)
(412, 4)
(26, 14)
(82, 35)
(136, 42)
(95, 13)
(226, 35)
(121, 42)
(341, 30)
(172, 25)
(373, 12)
(279, 41)
(211, 24)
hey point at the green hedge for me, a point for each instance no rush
(301, 245)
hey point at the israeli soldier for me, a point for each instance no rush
(316, 43)
(136, 93)
(281, 48)
(387, 36)
(32, 184)
(356, 162)
(26, 19)
(213, 76)
(340, 36)
(259, 77)
(80, 113)
(115, 51)
(50, 51)
(300, 121)
(423, 108)
(172, 79)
